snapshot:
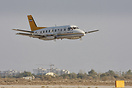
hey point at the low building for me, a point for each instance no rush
(29, 77)
(41, 71)
(10, 73)
(51, 74)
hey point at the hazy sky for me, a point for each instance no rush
(108, 49)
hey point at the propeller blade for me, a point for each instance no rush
(91, 31)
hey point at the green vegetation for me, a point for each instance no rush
(24, 74)
(92, 75)
(81, 78)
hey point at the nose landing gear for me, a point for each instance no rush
(80, 38)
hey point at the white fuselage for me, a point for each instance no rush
(52, 33)
(60, 32)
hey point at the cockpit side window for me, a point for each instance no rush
(74, 27)
(77, 28)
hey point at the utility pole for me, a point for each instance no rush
(51, 67)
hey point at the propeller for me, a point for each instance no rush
(91, 31)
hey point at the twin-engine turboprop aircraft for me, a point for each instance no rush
(53, 33)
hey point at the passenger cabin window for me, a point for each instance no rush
(64, 29)
(69, 28)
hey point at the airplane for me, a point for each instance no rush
(53, 33)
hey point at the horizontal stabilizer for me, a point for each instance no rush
(91, 31)
(24, 34)
(30, 35)
(23, 30)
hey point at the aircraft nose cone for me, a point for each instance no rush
(81, 31)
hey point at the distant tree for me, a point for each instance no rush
(111, 75)
(92, 73)
(129, 72)
(37, 76)
(82, 76)
(73, 75)
(128, 75)
(65, 76)
(103, 75)
(47, 77)
(24, 74)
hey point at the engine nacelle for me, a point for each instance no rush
(49, 38)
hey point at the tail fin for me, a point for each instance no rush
(32, 23)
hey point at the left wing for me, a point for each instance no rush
(91, 31)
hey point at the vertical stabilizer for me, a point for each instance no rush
(32, 23)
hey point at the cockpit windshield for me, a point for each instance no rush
(72, 28)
